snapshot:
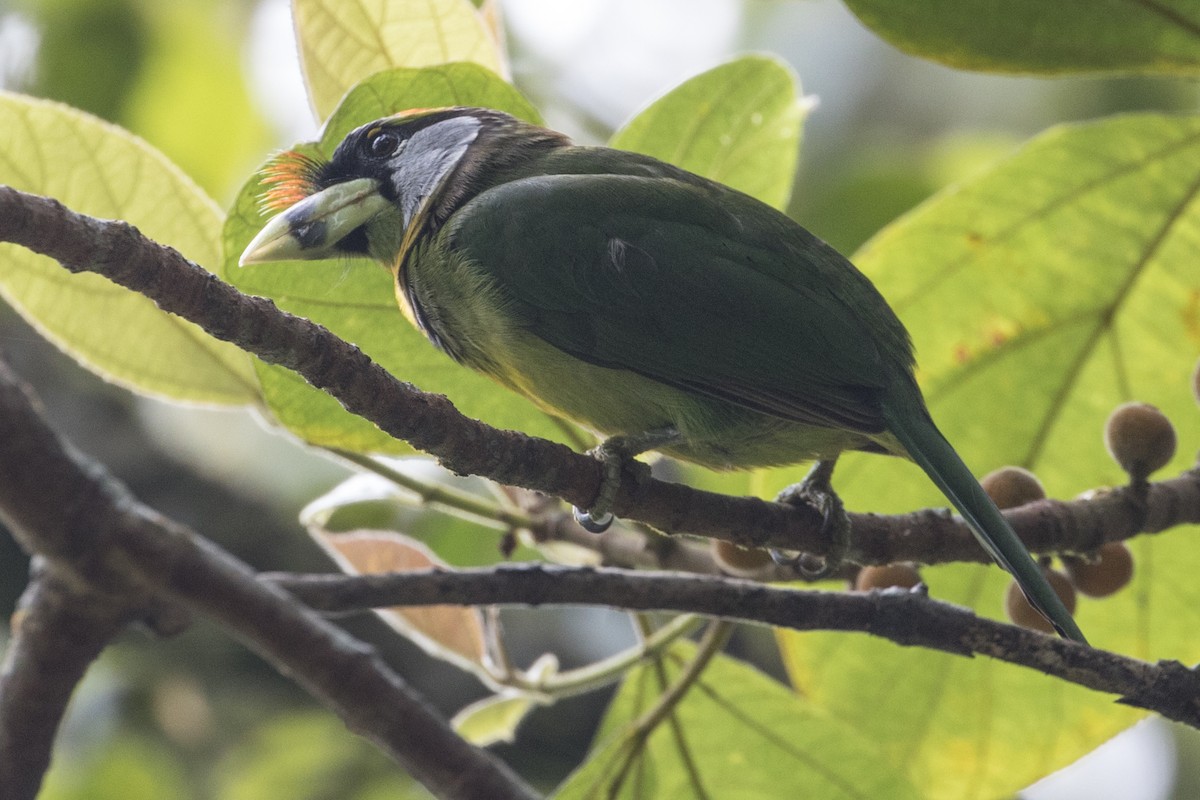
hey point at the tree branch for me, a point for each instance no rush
(430, 423)
(101, 541)
(70, 511)
(59, 629)
(906, 618)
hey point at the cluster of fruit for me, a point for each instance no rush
(1140, 439)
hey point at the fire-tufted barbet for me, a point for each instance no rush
(656, 307)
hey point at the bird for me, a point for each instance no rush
(658, 308)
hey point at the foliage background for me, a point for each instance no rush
(209, 83)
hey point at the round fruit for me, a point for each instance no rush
(743, 562)
(1140, 438)
(1022, 613)
(1010, 487)
(1109, 571)
(887, 576)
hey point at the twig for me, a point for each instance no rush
(906, 618)
(611, 669)
(441, 497)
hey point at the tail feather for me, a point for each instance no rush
(926, 446)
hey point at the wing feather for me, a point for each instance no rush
(693, 285)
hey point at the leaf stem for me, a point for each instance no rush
(714, 639)
(608, 670)
(639, 731)
(446, 498)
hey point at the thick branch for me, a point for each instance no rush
(430, 423)
(906, 618)
(345, 674)
(59, 629)
(70, 511)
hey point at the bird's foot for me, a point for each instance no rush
(613, 453)
(816, 491)
(599, 517)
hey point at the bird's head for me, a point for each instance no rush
(384, 178)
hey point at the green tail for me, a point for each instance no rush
(910, 423)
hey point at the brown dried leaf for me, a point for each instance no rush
(454, 633)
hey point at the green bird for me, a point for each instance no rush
(649, 304)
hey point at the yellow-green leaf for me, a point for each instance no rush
(1053, 288)
(495, 718)
(343, 42)
(99, 169)
(355, 298)
(954, 726)
(738, 123)
(459, 84)
(736, 734)
(1040, 295)
(1039, 36)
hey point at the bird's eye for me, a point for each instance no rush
(383, 143)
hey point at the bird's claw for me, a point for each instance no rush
(809, 566)
(593, 524)
(613, 453)
(817, 492)
(612, 456)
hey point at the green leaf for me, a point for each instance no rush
(1038, 36)
(344, 42)
(1053, 288)
(954, 726)
(889, 178)
(495, 718)
(1040, 295)
(737, 734)
(355, 299)
(395, 90)
(738, 124)
(98, 169)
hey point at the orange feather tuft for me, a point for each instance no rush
(289, 178)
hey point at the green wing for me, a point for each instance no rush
(691, 284)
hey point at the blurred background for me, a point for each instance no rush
(215, 84)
